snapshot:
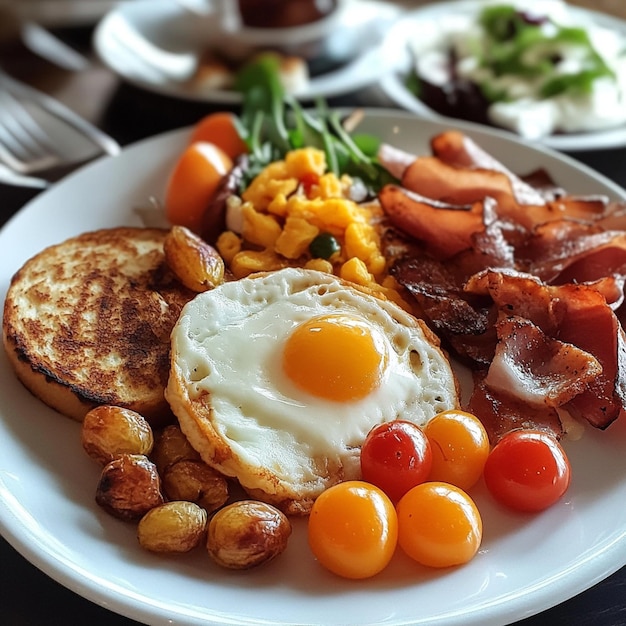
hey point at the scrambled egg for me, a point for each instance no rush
(293, 203)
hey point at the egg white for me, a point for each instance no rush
(228, 343)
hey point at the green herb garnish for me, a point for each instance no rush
(272, 123)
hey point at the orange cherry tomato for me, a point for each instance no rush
(460, 447)
(193, 182)
(353, 529)
(527, 470)
(439, 525)
(220, 130)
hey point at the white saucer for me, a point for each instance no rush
(165, 32)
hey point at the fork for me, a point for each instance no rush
(27, 146)
(24, 145)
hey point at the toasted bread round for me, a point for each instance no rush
(87, 322)
(241, 403)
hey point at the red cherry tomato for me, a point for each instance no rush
(353, 529)
(527, 470)
(396, 456)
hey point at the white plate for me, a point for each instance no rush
(393, 86)
(170, 28)
(47, 483)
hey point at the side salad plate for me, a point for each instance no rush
(527, 563)
(509, 80)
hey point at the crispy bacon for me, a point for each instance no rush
(444, 229)
(459, 150)
(593, 326)
(501, 413)
(489, 246)
(537, 369)
(460, 319)
(577, 314)
(564, 252)
(519, 294)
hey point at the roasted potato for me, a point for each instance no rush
(173, 527)
(109, 431)
(129, 487)
(196, 263)
(246, 534)
(196, 482)
(171, 446)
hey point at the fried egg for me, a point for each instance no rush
(277, 379)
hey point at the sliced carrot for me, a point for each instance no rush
(219, 129)
(193, 183)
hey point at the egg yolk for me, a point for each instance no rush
(336, 357)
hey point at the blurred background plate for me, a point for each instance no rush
(393, 83)
(166, 27)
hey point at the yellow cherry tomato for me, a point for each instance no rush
(439, 525)
(193, 183)
(460, 447)
(353, 529)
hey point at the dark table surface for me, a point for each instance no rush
(27, 596)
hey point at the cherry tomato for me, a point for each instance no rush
(220, 129)
(439, 525)
(353, 529)
(396, 456)
(193, 182)
(527, 470)
(460, 447)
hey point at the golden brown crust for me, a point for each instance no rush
(87, 322)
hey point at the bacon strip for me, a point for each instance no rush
(538, 369)
(562, 252)
(459, 150)
(489, 247)
(445, 229)
(574, 314)
(500, 413)
(519, 294)
(436, 179)
(593, 326)
(460, 319)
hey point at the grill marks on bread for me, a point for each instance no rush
(87, 322)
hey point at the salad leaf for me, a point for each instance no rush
(501, 22)
(516, 44)
(581, 82)
(272, 123)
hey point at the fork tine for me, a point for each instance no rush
(24, 145)
(33, 137)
